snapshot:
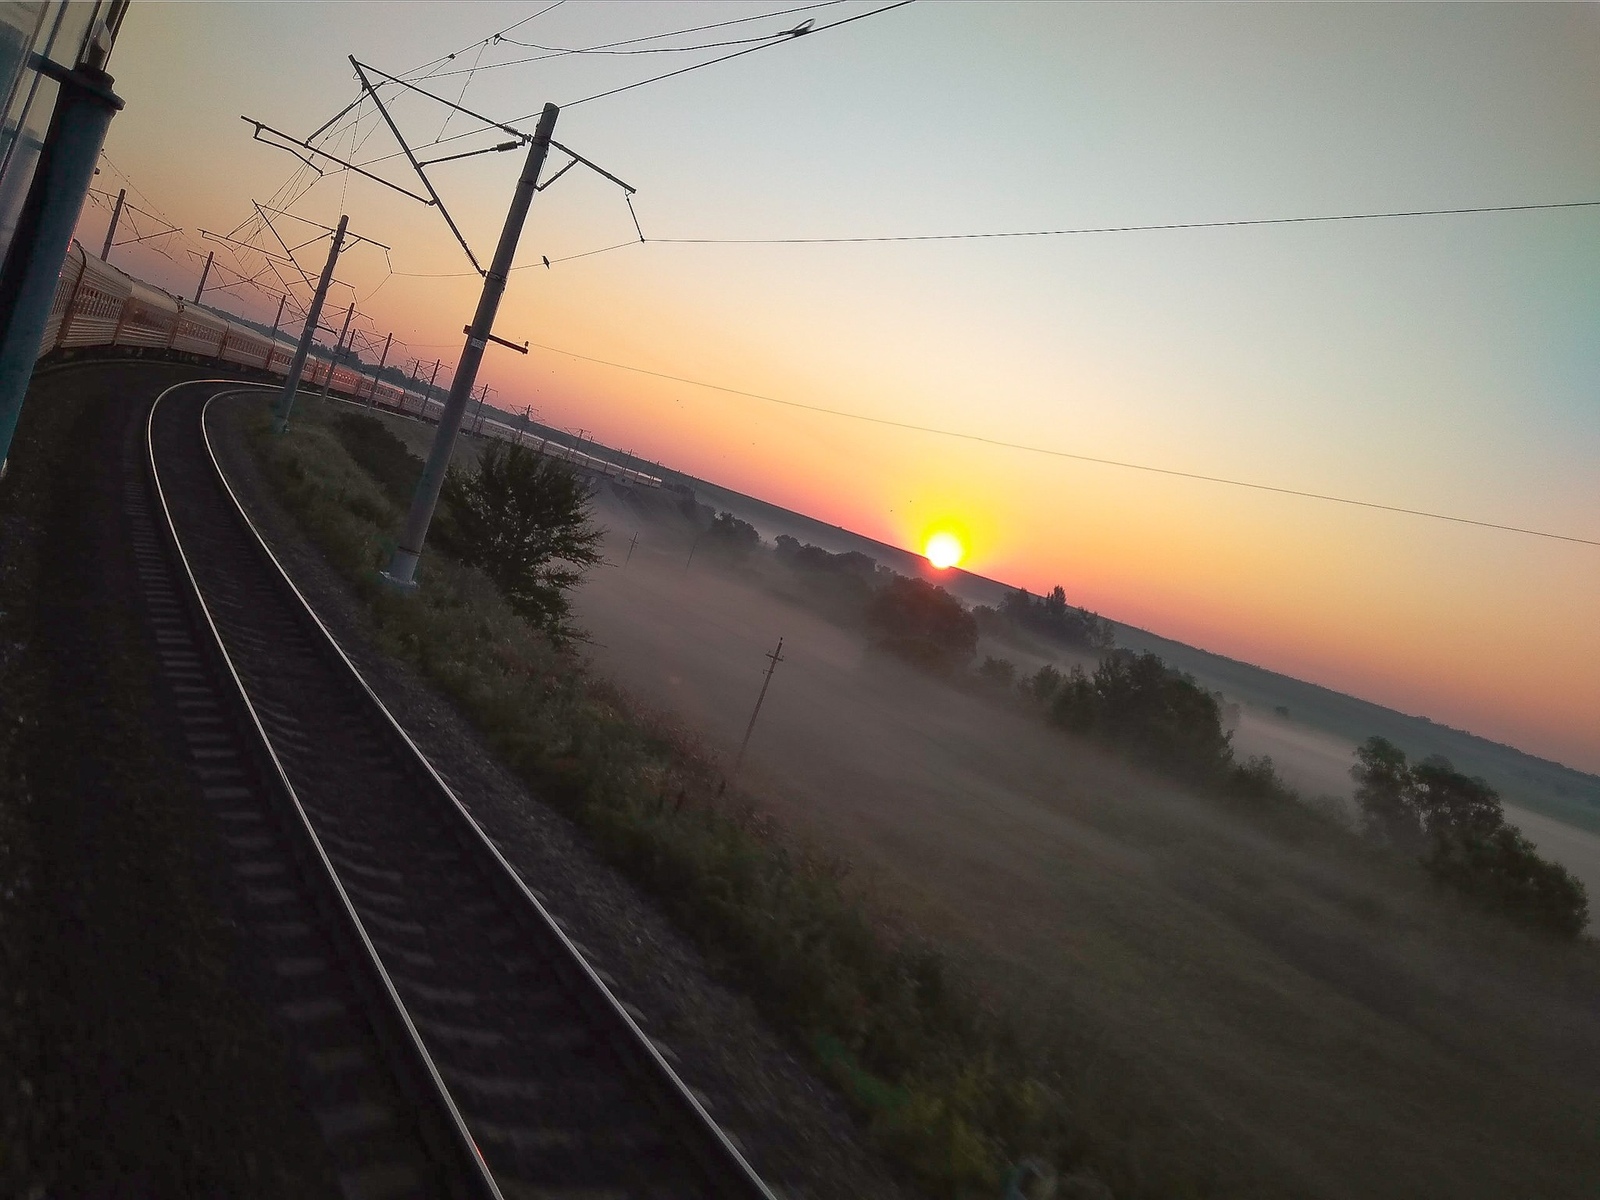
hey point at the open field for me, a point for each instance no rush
(1322, 1014)
(1356, 1032)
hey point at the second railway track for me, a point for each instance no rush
(537, 1082)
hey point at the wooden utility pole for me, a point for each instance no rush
(773, 660)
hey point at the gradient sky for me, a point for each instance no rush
(1448, 364)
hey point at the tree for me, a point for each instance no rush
(1042, 684)
(1001, 672)
(1454, 824)
(730, 538)
(1053, 617)
(524, 520)
(922, 623)
(1384, 792)
(1166, 715)
(1452, 804)
(1504, 870)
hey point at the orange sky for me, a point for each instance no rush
(1443, 364)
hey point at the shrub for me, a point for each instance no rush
(1054, 618)
(1143, 705)
(923, 624)
(1454, 824)
(731, 539)
(998, 672)
(1042, 684)
(380, 454)
(523, 519)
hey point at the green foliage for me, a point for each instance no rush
(731, 539)
(1455, 825)
(922, 624)
(1138, 704)
(1042, 685)
(1383, 792)
(1052, 617)
(381, 455)
(998, 672)
(523, 519)
(839, 585)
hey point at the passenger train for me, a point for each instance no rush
(98, 306)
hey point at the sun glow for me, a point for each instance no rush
(944, 550)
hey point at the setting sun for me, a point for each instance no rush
(944, 550)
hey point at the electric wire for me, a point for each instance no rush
(609, 47)
(1000, 443)
(1171, 225)
(794, 36)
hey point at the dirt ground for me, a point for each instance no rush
(1358, 1033)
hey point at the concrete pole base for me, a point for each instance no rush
(402, 573)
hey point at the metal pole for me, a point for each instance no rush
(478, 427)
(403, 566)
(338, 349)
(61, 177)
(298, 366)
(373, 398)
(776, 657)
(111, 229)
(631, 545)
(203, 275)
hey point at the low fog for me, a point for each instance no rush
(1310, 999)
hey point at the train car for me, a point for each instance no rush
(98, 305)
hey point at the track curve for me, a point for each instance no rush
(530, 1078)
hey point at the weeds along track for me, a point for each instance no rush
(525, 1076)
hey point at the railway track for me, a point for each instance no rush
(511, 1069)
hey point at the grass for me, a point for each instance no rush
(943, 1084)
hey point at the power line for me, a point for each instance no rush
(520, 266)
(793, 35)
(610, 47)
(1031, 233)
(1089, 458)
(947, 237)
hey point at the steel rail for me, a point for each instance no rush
(480, 1181)
(717, 1157)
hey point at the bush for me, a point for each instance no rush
(922, 624)
(1136, 702)
(523, 519)
(998, 672)
(731, 539)
(1041, 686)
(1454, 824)
(380, 454)
(1052, 617)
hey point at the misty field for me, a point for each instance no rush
(1325, 1015)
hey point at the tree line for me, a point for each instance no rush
(1454, 826)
